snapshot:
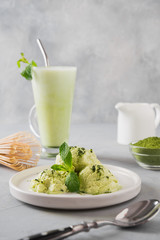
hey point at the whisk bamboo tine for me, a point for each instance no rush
(19, 151)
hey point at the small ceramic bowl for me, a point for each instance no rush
(146, 157)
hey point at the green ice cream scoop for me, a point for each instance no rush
(50, 181)
(97, 179)
(81, 158)
(87, 172)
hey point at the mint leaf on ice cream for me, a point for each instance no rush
(72, 182)
(72, 179)
(59, 167)
(66, 155)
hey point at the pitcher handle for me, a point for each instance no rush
(157, 110)
(33, 121)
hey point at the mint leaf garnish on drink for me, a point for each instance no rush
(27, 72)
(72, 180)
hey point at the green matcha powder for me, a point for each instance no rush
(147, 151)
(150, 142)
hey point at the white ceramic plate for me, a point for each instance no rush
(20, 182)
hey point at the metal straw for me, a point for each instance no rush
(43, 52)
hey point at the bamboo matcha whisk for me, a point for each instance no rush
(19, 151)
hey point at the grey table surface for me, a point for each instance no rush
(18, 219)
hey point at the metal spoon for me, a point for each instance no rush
(46, 60)
(136, 214)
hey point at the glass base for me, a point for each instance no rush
(149, 167)
(49, 152)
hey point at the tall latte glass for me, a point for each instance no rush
(53, 89)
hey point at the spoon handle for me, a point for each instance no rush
(68, 231)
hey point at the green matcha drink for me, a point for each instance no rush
(53, 89)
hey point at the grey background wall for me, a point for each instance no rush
(114, 43)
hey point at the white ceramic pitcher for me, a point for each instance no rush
(136, 121)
